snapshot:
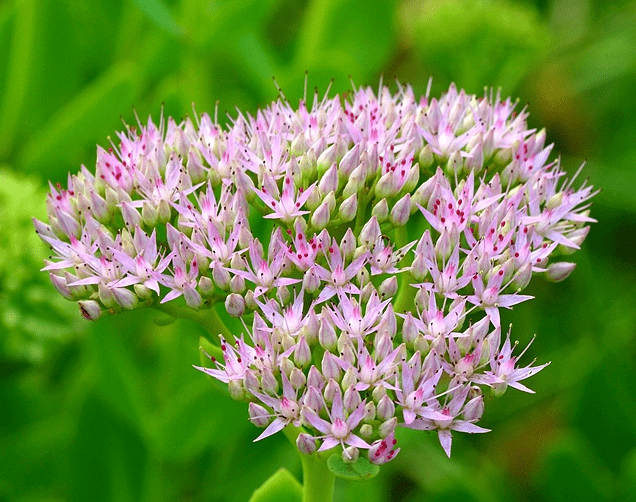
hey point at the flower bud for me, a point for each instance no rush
(351, 399)
(577, 237)
(330, 367)
(356, 181)
(327, 336)
(305, 444)
(378, 393)
(142, 291)
(388, 287)
(259, 416)
(370, 233)
(475, 160)
(311, 281)
(321, 216)
(409, 329)
(381, 210)
(237, 284)
(106, 295)
(297, 378)
(559, 271)
(522, 276)
(425, 158)
(348, 245)
(221, 276)
(327, 158)
(348, 208)
(421, 344)
(61, 284)
(555, 201)
(349, 161)
(349, 379)
(366, 431)
(192, 297)
(385, 186)
(474, 409)
(302, 353)
(235, 305)
(401, 211)
(411, 181)
(350, 455)
(148, 214)
(385, 408)
(331, 389)
(455, 164)
(90, 309)
(329, 181)
(269, 382)
(236, 390)
(387, 427)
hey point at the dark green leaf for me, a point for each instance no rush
(281, 487)
(360, 470)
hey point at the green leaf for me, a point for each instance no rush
(19, 71)
(280, 487)
(82, 121)
(359, 470)
(160, 14)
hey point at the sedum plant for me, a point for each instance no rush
(367, 243)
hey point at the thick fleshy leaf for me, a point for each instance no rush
(280, 487)
(359, 470)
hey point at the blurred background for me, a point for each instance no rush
(113, 411)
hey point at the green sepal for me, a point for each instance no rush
(280, 487)
(359, 470)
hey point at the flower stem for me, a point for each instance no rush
(405, 294)
(208, 318)
(318, 480)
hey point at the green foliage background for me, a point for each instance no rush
(113, 411)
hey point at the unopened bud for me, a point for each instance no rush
(559, 271)
(330, 367)
(350, 455)
(221, 276)
(321, 216)
(90, 309)
(388, 287)
(329, 181)
(142, 291)
(366, 431)
(348, 208)
(381, 210)
(236, 390)
(426, 158)
(385, 409)
(401, 211)
(235, 305)
(259, 416)
(474, 409)
(305, 444)
(237, 284)
(387, 427)
(385, 186)
(455, 164)
(148, 214)
(327, 336)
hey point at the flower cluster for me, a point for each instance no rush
(368, 245)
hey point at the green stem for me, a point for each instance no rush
(208, 318)
(318, 480)
(406, 293)
(362, 209)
